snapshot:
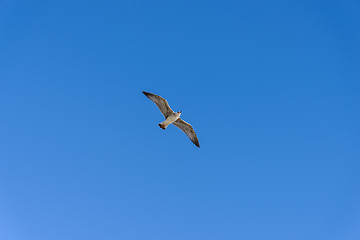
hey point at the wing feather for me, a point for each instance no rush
(188, 130)
(161, 103)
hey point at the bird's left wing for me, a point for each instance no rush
(188, 130)
(161, 103)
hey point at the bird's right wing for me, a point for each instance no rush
(161, 103)
(188, 130)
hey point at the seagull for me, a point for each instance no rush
(172, 117)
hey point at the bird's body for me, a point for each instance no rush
(169, 120)
(172, 117)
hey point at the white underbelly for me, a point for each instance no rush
(170, 120)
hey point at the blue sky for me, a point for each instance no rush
(271, 88)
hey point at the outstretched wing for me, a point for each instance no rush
(188, 130)
(161, 103)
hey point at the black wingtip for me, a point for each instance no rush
(147, 94)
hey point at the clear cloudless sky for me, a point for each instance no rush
(271, 88)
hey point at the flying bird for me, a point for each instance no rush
(172, 117)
